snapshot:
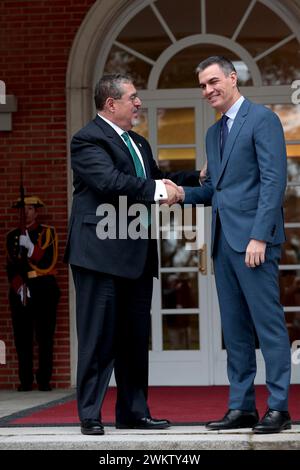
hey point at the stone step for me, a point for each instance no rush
(176, 438)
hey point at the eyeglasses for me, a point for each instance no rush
(131, 98)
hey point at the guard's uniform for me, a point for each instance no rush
(38, 315)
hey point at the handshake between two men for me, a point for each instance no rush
(176, 193)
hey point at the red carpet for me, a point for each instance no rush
(178, 404)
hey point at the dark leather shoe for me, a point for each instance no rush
(146, 423)
(234, 419)
(44, 387)
(24, 388)
(273, 421)
(92, 427)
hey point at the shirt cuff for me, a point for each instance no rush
(160, 191)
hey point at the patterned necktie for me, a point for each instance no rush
(137, 162)
(224, 133)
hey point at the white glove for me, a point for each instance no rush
(21, 292)
(25, 241)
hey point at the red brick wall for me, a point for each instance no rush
(36, 37)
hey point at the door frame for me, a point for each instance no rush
(182, 367)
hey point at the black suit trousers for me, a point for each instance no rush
(35, 321)
(113, 327)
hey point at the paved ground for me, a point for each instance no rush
(176, 438)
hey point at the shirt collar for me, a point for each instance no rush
(113, 125)
(232, 112)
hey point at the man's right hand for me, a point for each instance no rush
(175, 193)
(255, 253)
(24, 293)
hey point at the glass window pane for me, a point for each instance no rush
(145, 34)
(120, 61)
(179, 290)
(181, 332)
(293, 325)
(292, 204)
(177, 159)
(294, 169)
(175, 254)
(291, 248)
(281, 67)
(289, 281)
(183, 21)
(293, 150)
(180, 70)
(228, 16)
(177, 154)
(176, 126)
(262, 30)
(289, 115)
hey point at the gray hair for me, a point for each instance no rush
(110, 86)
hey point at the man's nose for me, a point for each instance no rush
(208, 89)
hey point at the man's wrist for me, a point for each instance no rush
(160, 191)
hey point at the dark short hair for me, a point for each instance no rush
(225, 64)
(110, 86)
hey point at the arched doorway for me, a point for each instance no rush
(160, 45)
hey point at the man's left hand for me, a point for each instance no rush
(255, 253)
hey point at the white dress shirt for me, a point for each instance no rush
(232, 112)
(160, 188)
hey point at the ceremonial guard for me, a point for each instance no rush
(33, 293)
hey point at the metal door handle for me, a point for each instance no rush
(203, 260)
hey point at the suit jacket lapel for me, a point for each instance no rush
(215, 140)
(112, 134)
(233, 134)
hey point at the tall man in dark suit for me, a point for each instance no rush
(246, 180)
(113, 275)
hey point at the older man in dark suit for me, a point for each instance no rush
(113, 275)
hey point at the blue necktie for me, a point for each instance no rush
(224, 133)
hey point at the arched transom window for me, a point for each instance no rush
(161, 42)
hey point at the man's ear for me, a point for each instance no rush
(110, 104)
(233, 77)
